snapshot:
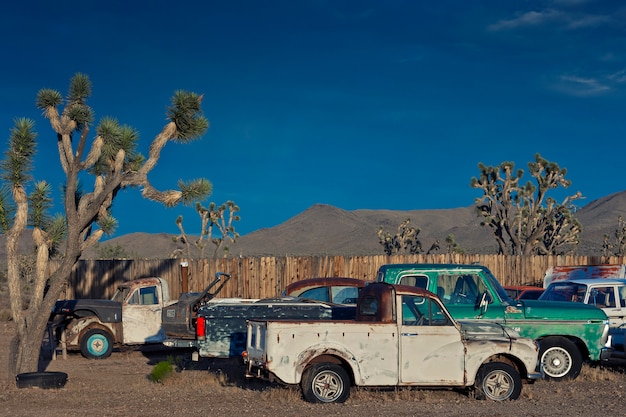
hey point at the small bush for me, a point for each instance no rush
(162, 370)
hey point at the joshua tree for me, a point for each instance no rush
(114, 164)
(620, 240)
(405, 239)
(522, 218)
(211, 217)
(452, 246)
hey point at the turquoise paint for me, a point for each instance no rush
(534, 319)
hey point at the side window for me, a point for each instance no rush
(462, 289)
(411, 315)
(622, 296)
(369, 306)
(320, 294)
(345, 295)
(419, 281)
(148, 295)
(421, 311)
(602, 297)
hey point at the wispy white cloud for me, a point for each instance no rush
(564, 19)
(618, 77)
(582, 86)
(532, 18)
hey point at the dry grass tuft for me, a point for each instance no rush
(282, 395)
(194, 379)
(597, 373)
(406, 394)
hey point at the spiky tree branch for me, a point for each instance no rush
(522, 218)
(111, 158)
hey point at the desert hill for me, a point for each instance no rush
(328, 230)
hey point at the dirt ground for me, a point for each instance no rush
(120, 386)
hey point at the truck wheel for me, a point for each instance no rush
(498, 381)
(96, 344)
(325, 383)
(559, 358)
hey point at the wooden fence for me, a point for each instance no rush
(262, 277)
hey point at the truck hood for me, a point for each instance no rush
(560, 310)
(479, 329)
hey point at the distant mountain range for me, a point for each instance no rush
(328, 230)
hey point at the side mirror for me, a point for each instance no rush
(483, 304)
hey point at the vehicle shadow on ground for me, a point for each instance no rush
(229, 371)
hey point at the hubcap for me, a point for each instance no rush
(556, 362)
(97, 345)
(327, 386)
(498, 385)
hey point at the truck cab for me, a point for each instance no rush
(567, 335)
(132, 316)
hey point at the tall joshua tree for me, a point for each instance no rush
(111, 159)
(523, 219)
(212, 217)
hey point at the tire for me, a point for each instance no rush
(45, 380)
(325, 383)
(96, 344)
(559, 358)
(498, 381)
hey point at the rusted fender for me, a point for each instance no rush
(76, 328)
(337, 350)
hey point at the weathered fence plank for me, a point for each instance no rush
(268, 276)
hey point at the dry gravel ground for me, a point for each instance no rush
(120, 386)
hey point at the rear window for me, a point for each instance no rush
(419, 281)
(368, 306)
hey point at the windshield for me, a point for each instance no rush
(565, 291)
(495, 284)
(120, 294)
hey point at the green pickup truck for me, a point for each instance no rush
(568, 333)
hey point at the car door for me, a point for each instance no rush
(431, 350)
(610, 299)
(141, 316)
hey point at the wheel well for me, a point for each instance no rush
(96, 326)
(334, 360)
(582, 347)
(510, 360)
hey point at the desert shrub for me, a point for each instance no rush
(162, 370)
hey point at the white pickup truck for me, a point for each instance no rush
(401, 336)
(140, 312)
(608, 294)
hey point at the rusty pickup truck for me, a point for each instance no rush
(140, 312)
(401, 336)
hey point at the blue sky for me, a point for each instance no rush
(356, 104)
